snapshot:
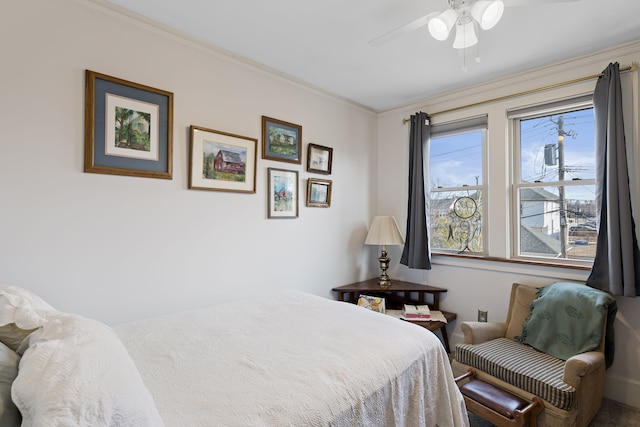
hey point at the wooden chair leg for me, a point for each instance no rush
(535, 411)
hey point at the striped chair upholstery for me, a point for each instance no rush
(520, 365)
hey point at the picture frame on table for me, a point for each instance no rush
(373, 303)
(281, 141)
(221, 161)
(319, 159)
(128, 128)
(282, 193)
(319, 192)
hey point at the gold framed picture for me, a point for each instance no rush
(319, 159)
(128, 128)
(222, 161)
(319, 192)
(281, 140)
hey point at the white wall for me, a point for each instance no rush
(476, 284)
(122, 248)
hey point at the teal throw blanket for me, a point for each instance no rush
(566, 319)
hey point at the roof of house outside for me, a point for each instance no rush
(533, 241)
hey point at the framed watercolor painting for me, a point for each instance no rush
(128, 128)
(319, 159)
(221, 161)
(281, 140)
(282, 193)
(319, 193)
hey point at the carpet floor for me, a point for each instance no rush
(611, 414)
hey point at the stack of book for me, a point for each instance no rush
(416, 312)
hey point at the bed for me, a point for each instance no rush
(293, 360)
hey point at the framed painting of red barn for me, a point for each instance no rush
(221, 161)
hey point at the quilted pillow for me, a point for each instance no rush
(76, 372)
(21, 312)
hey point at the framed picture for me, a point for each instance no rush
(283, 193)
(319, 159)
(376, 304)
(128, 128)
(221, 161)
(319, 192)
(281, 140)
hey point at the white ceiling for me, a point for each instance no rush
(325, 43)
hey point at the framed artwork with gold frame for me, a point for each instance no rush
(319, 159)
(222, 161)
(319, 192)
(128, 128)
(281, 141)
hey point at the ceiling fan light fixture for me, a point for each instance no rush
(465, 36)
(440, 26)
(487, 12)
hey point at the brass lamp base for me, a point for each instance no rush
(384, 281)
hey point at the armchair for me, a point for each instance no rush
(570, 387)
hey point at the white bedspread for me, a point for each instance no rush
(294, 360)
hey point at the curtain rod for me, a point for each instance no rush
(632, 67)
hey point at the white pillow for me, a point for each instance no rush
(21, 312)
(77, 372)
(18, 298)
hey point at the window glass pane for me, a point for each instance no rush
(549, 230)
(456, 220)
(456, 160)
(558, 147)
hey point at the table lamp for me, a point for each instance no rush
(384, 231)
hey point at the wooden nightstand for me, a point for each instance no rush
(396, 295)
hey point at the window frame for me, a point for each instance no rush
(458, 127)
(515, 117)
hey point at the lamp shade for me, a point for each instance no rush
(487, 13)
(384, 231)
(465, 36)
(441, 25)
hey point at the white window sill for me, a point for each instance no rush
(560, 271)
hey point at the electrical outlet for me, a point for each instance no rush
(483, 315)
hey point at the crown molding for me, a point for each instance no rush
(143, 22)
(533, 78)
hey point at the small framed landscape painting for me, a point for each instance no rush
(222, 161)
(128, 128)
(319, 193)
(319, 159)
(281, 140)
(282, 193)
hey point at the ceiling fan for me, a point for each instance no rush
(464, 15)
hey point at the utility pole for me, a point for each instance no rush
(564, 238)
(561, 200)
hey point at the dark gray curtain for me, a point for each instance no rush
(416, 253)
(616, 268)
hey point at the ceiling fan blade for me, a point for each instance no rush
(411, 26)
(508, 3)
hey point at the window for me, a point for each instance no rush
(456, 159)
(553, 199)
